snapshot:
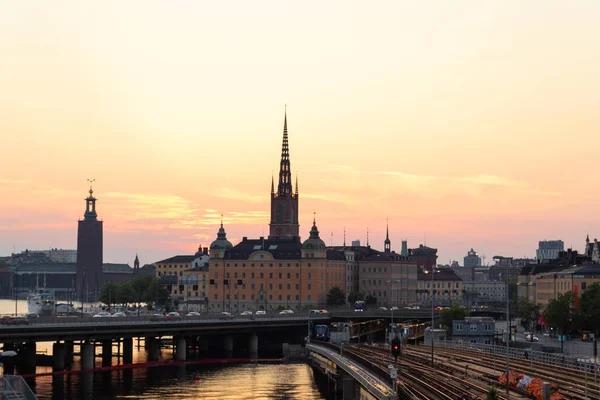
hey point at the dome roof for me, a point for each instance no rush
(221, 243)
(314, 241)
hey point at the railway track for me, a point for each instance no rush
(425, 382)
(570, 382)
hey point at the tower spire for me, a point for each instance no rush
(344, 236)
(296, 184)
(367, 236)
(272, 184)
(90, 201)
(285, 174)
(387, 244)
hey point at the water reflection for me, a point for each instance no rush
(260, 381)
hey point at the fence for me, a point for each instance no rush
(560, 360)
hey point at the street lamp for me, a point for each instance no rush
(432, 301)
(508, 332)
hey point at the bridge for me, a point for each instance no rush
(185, 333)
(357, 382)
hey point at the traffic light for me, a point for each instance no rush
(395, 348)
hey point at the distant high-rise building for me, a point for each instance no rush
(89, 252)
(404, 252)
(356, 243)
(549, 249)
(472, 259)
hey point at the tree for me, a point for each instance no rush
(157, 293)
(454, 312)
(353, 297)
(109, 294)
(125, 293)
(589, 308)
(336, 297)
(370, 299)
(527, 310)
(559, 313)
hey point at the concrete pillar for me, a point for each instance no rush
(127, 350)
(545, 391)
(229, 346)
(87, 356)
(348, 386)
(180, 349)
(58, 356)
(107, 353)
(28, 352)
(8, 367)
(253, 345)
(153, 349)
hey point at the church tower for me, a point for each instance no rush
(136, 265)
(284, 201)
(89, 252)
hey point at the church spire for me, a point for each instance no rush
(296, 184)
(272, 184)
(285, 174)
(387, 243)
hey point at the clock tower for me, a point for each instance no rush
(284, 201)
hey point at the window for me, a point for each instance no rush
(289, 287)
(473, 327)
(279, 297)
(270, 286)
(459, 327)
(280, 275)
(261, 275)
(289, 276)
(297, 286)
(280, 286)
(252, 275)
(583, 286)
(309, 286)
(309, 275)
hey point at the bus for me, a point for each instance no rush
(360, 305)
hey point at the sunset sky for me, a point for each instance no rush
(474, 124)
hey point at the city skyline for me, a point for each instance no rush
(438, 120)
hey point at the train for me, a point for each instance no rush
(321, 332)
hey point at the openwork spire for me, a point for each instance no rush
(285, 174)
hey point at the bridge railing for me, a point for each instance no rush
(135, 320)
(14, 386)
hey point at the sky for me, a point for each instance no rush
(465, 124)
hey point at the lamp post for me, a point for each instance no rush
(507, 335)
(432, 299)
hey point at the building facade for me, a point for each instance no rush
(89, 252)
(425, 257)
(472, 259)
(444, 287)
(474, 330)
(575, 279)
(549, 249)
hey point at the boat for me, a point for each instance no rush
(41, 302)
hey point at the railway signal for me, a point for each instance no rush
(395, 348)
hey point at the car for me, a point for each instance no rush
(439, 308)
(383, 309)
(247, 312)
(102, 314)
(284, 312)
(157, 317)
(394, 308)
(225, 315)
(193, 314)
(358, 310)
(119, 315)
(173, 315)
(314, 312)
(17, 321)
(528, 338)
(261, 312)
(324, 311)
(4, 319)
(31, 316)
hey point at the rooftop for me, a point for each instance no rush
(177, 259)
(110, 268)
